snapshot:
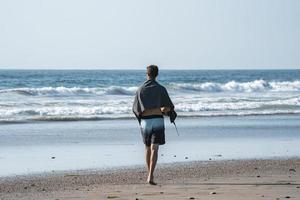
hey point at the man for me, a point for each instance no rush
(150, 104)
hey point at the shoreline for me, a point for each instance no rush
(233, 173)
(132, 118)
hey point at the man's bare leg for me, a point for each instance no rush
(153, 161)
(148, 156)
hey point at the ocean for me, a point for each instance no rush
(62, 120)
(66, 95)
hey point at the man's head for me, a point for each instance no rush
(152, 71)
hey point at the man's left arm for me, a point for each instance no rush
(169, 107)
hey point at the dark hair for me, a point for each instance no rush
(152, 71)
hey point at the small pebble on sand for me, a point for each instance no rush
(192, 197)
(186, 158)
(112, 197)
(212, 193)
(53, 157)
(287, 197)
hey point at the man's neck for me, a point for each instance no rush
(151, 79)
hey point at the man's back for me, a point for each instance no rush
(151, 98)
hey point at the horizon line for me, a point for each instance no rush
(161, 68)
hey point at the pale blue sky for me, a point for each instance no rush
(109, 34)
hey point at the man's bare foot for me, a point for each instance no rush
(150, 180)
(152, 183)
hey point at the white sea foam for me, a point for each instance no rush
(65, 111)
(285, 86)
(121, 107)
(16, 119)
(233, 86)
(240, 105)
(207, 99)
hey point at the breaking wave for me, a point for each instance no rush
(258, 97)
(233, 86)
(211, 87)
(122, 108)
(65, 91)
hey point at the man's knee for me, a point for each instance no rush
(154, 147)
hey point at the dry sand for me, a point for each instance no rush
(233, 179)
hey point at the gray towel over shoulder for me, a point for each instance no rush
(150, 95)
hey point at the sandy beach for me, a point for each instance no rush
(228, 179)
(72, 135)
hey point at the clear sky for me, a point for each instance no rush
(130, 34)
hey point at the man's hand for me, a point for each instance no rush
(165, 110)
(172, 114)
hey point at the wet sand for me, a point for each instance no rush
(229, 179)
(75, 145)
